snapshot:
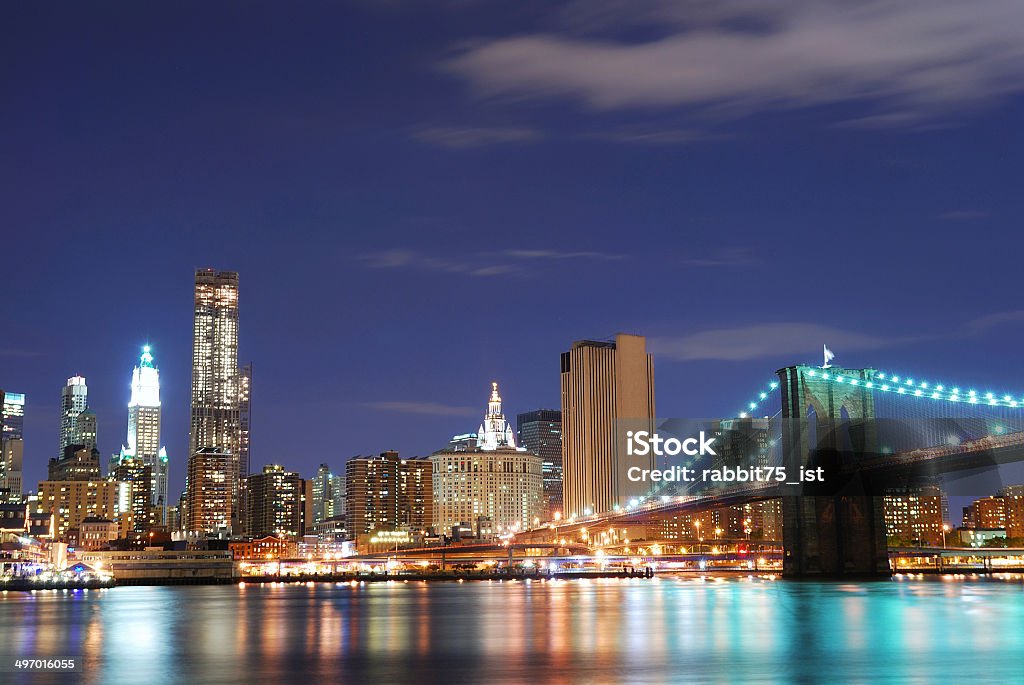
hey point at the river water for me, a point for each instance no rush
(670, 629)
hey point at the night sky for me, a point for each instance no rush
(423, 197)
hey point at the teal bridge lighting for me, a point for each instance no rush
(907, 386)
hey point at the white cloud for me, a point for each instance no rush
(781, 340)
(910, 58)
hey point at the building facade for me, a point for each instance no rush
(244, 417)
(916, 517)
(144, 422)
(1003, 511)
(387, 492)
(495, 481)
(72, 501)
(136, 504)
(327, 496)
(602, 384)
(214, 431)
(74, 400)
(275, 503)
(77, 463)
(504, 485)
(12, 444)
(540, 432)
(209, 493)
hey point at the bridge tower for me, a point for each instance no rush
(829, 535)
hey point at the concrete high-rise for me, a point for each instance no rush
(212, 486)
(275, 503)
(540, 432)
(74, 401)
(209, 497)
(605, 386)
(387, 493)
(144, 431)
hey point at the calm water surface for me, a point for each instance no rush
(644, 631)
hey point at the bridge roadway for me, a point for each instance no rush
(866, 476)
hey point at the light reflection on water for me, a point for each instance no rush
(667, 629)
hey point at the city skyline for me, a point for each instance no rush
(79, 381)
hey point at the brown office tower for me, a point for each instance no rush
(605, 385)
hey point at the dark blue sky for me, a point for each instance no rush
(421, 197)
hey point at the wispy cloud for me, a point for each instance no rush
(504, 263)
(907, 59)
(554, 254)
(963, 215)
(983, 324)
(15, 352)
(411, 259)
(654, 137)
(426, 408)
(739, 256)
(470, 137)
(781, 340)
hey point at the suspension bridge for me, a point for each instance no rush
(873, 431)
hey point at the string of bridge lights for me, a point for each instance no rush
(898, 385)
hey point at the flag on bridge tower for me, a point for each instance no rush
(829, 356)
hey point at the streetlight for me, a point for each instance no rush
(945, 529)
(700, 538)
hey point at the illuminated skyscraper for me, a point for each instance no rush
(244, 417)
(74, 401)
(215, 430)
(603, 383)
(13, 415)
(12, 444)
(144, 431)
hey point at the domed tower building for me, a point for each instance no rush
(495, 487)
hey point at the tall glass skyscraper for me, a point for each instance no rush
(12, 443)
(13, 415)
(540, 432)
(215, 429)
(73, 401)
(144, 430)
